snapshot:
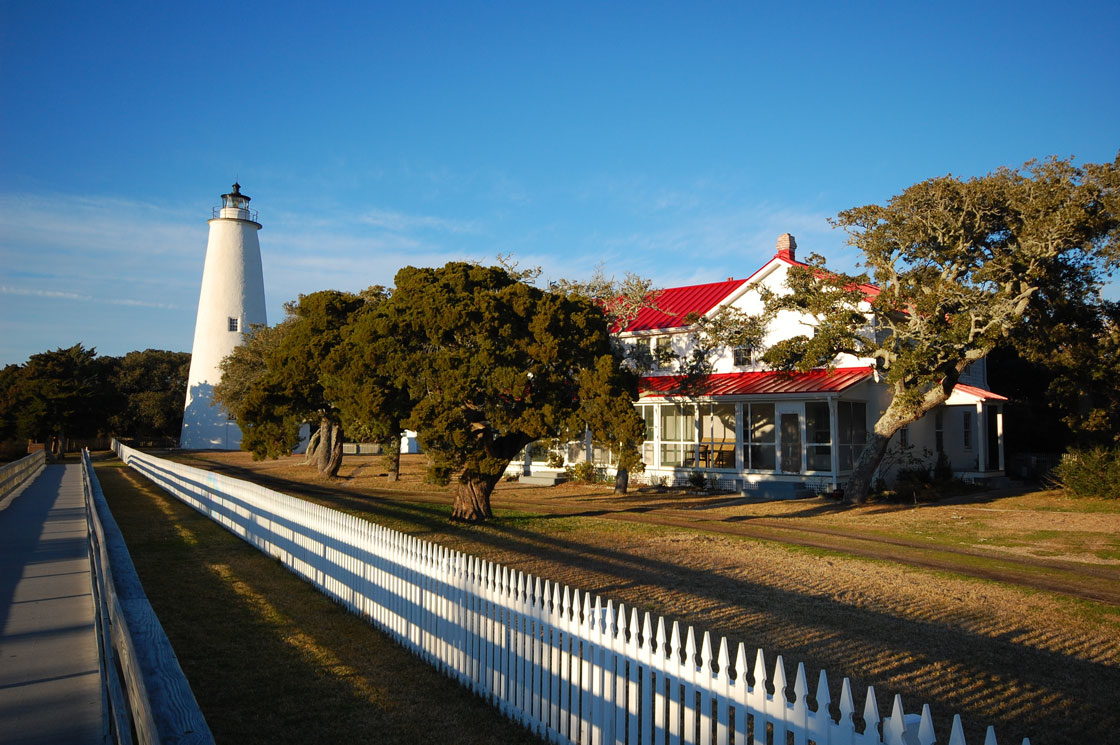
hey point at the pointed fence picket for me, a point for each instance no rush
(568, 665)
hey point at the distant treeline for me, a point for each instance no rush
(69, 394)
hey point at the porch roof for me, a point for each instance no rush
(769, 382)
(969, 394)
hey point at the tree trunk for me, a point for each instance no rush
(393, 458)
(621, 480)
(896, 416)
(312, 446)
(472, 500)
(859, 483)
(328, 457)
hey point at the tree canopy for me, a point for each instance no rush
(492, 364)
(961, 266)
(73, 392)
(273, 382)
(151, 386)
(361, 377)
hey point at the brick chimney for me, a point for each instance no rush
(787, 247)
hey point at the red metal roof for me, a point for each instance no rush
(870, 291)
(978, 392)
(769, 382)
(676, 303)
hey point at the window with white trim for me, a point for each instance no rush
(818, 436)
(662, 348)
(649, 414)
(717, 436)
(759, 437)
(234, 324)
(678, 435)
(852, 432)
(742, 356)
(966, 429)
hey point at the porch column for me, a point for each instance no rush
(834, 435)
(999, 437)
(982, 435)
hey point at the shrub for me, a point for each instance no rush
(942, 471)
(913, 475)
(697, 479)
(585, 472)
(555, 459)
(1090, 473)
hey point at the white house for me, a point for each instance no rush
(774, 433)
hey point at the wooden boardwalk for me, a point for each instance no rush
(50, 683)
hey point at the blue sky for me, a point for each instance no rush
(675, 140)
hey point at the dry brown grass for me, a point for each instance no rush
(1032, 663)
(270, 659)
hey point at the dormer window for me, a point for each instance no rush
(234, 324)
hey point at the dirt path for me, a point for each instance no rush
(1076, 580)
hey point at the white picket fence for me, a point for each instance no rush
(570, 666)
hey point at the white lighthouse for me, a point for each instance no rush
(231, 299)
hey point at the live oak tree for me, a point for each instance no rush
(273, 382)
(56, 395)
(150, 386)
(614, 423)
(361, 375)
(269, 425)
(493, 364)
(961, 266)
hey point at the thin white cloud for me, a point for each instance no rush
(61, 295)
(401, 222)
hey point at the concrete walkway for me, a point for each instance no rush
(50, 685)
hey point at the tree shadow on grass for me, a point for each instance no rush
(272, 660)
(990, 670)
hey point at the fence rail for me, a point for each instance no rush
(18, 472)
(570, 666)
(147, 698)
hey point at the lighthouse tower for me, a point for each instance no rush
(232, 298)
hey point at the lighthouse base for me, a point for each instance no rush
(206, 424)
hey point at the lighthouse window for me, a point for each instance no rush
(233, 324)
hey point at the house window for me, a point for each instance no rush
(234, 324)
(818, 436)
(663, 356)
(743, 356)
(538, 452)
(904, 437)
(939, 431)
(648, 414)
(759, 435)
(601, 455)
(852, 426)
(966, 429)
(717, 436)
(678, 435)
